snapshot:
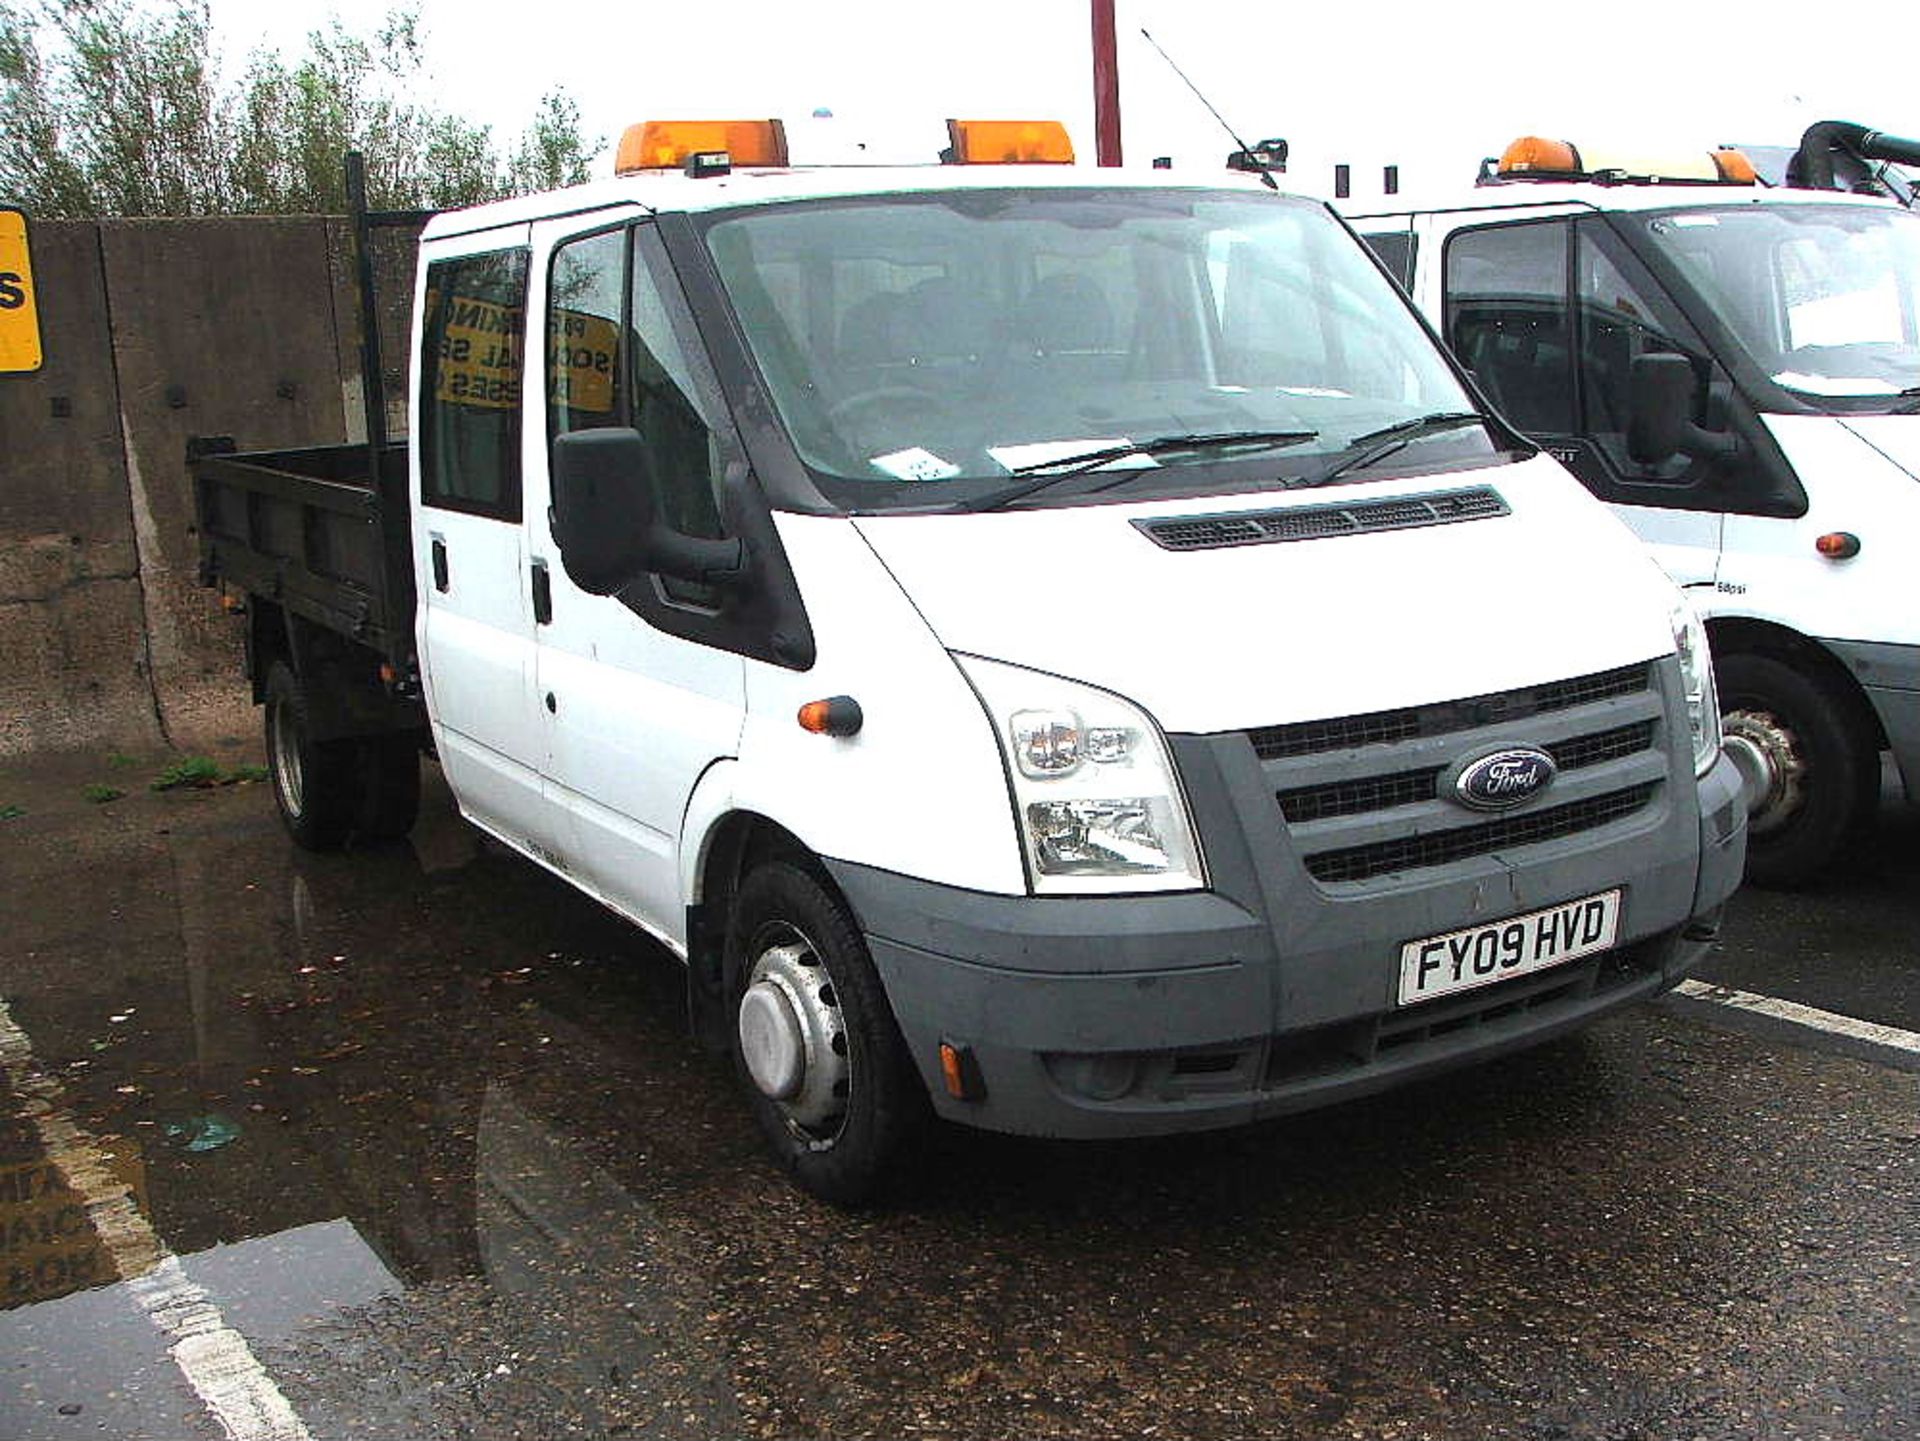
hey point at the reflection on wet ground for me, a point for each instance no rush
(414, 1142)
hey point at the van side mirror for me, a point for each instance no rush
(1659, 407)
(605, 522)
(1660, 413)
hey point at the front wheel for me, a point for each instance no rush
(1813, 760)
(814, 1040)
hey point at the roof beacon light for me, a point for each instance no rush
(671, 144)
(1009, 142)
(1533, 157)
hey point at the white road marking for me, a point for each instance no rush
(215, 1359)
(1869, 1033)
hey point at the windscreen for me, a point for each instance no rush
(922, 349)
(1825, 298)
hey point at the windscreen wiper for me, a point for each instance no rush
(1065, 467)
(1376, 445)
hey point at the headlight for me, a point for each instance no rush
(1098, 806)
(1696, 676)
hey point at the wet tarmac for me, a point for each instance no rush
(412, 1143)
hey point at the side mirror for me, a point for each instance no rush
(602, 506)
(607, 526)
(1660, 407)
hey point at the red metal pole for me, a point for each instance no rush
(1106, 86)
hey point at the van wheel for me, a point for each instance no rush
(1816, 759)
(314, 782)
(814, 1041)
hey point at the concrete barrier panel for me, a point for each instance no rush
(220, 327)
(73, 670)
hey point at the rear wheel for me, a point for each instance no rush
(814, 1040)
(1813, 761)
(313, 781)
(388, 768)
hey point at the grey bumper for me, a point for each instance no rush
(1140, 1015)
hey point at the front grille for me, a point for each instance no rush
(1358, 863)
(1314, 522)
(1378, 727)
(1377, 793)
(1371, 795)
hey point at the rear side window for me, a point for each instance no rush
(471, 370)
(1397, 250)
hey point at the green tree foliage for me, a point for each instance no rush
(116, 107)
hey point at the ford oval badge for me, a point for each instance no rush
(1504, 779)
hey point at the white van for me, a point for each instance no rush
(1768, 341)
(1060, 649)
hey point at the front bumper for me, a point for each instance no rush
(1142, 1015)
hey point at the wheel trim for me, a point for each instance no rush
(793, 1036)
(1770, 755)
(287, 774)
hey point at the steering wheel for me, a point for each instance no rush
(881, 396)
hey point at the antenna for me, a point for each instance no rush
(1255, 156)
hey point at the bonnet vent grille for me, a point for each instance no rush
(1312, 522)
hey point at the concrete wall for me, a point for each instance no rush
(156, 330)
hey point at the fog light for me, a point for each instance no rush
(1105, 1077)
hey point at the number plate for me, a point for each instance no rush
(1481, 955)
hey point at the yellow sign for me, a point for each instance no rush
(480, 356)
(19, 307)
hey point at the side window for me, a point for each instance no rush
(470, 379)
(615, 356)
(583, 333)
(1397, 250)
(670, 407)
(1506, 320)
(1623, 314)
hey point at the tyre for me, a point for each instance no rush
(1820, 762)
(814, 1041)
(388, 775)
(315, 783)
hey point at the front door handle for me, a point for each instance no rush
(439, 564)
(542, 593)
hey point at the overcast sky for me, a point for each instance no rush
(1431, 86)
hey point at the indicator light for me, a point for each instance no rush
(1838, 545)
(961, 1072)
(838, 715)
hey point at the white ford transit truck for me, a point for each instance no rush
(1057, 649)
(1735, 370)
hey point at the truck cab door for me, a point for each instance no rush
(640, 691)
(475, 620)
(1549, 314)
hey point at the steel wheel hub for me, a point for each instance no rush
(286, 759)
(793, 1037)
(1768, 757)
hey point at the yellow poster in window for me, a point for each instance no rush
(19, 305)
(479, 355)
(581, 351)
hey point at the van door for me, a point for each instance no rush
(639, 691)
(475, 623)
(1549, 314)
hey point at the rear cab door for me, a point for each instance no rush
(475, 620)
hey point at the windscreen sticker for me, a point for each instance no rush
(1047, 452)
(915, 464)
(1833, 384)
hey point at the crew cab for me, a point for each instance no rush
(1062, 650)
